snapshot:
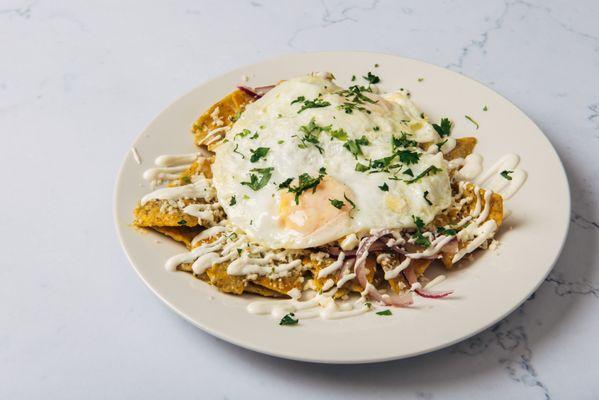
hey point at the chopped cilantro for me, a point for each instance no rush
(372, 79)
(186, 180)
(384, 312)
(280, 141)
(426, 198)
(506, 174)
(354, 146)
(285, 183)
(337, 203)
(256, 183)
(429, 171)
(339, 134)
(384, 187)
(306, 182)
(258, 153)
(182, 222)
(444, 127)
(353, 78)
(316, 103)
(376, 65)
(289, 319)
(420, 79)
(242, 134)
(448, 232)
(403, 141)
(235, 117)
(254, 136)
(485, 108)
(351, 203)
(368, 304)
(418, 222)
(300, 99)
(418, 237)
(233, 201)
(408, 157)
(236, 151)
(469, 118)
(361, 167)
(409, 172)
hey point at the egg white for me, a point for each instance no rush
(277, 124)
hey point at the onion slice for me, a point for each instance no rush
(410, 276)
(256, 92)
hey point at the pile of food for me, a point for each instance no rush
(309, 186)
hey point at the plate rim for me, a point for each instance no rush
(264, 350)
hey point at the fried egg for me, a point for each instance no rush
(311, 162)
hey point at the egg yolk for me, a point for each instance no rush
(316, 209)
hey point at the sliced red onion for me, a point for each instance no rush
(262, 90)
(433, 295)
(410, 276)
(362, 253)
(256, 92)
(334, 250)
(398, 300)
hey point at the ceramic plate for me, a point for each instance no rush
(486, 289)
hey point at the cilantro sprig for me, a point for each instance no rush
(289, 319)
(258, 153)
(259, 179)
(419, 238)
(444, 127)
(305, 182)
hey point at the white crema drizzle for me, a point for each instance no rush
(169, 166)
(223, 243)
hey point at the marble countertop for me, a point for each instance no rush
(78, 81)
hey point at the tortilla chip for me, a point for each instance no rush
(495, 213)
(157, 213)
(463, 147)
(220, 115)
(182, 234)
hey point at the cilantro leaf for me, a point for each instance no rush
(384, 312)
(306, 182)
(448, 232)
(300, 99)
(429, 171)
(258, 153)
(233, 201)
(444, 127)
(242, 134)
(289, 319)
(256, 183)
(285, 183)
(403, 141)
(337, 203)
(408, 157)
(354, 146)
(506, 174)
(384, 187)
(372, 79)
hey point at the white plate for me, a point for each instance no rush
(486, 290)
